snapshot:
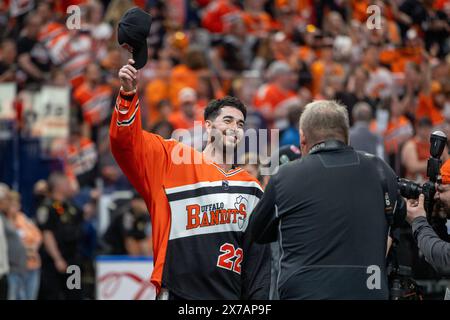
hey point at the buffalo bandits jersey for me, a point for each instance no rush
(199, 213)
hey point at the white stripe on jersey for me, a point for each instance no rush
(217, 183)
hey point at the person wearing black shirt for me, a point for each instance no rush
(328, 211)
(33, 59)
(61, 224)
(129, 231)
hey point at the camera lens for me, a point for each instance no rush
(409, 189)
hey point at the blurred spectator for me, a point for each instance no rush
(394, 127)
(100, 31)
(431, 99)
(28, 287)
(214, 14)
(70, 50)
(271, 98)
(157, 31)
(186, 73)
(4, 262)
(334, 26)
(40, 193)
(94, 99)
(164, 128)
(61, 225)
(416, 152)
(434, 23)
(361, 138)
(235, 50)
(356, 91)
(324, 67)
(8, 65)
(33, 59)
(164, 109)
(17, 255)
(116, 9)
(81, 158)
(380, 83)
(130, 230)
(256, 20)
(88, 248)
(189, 110)
(291, 135)
(157, 90)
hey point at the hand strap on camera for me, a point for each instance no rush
(388, 207)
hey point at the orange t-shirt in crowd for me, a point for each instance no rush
(272, 96)
(181, 77)
(81, 158)
(441, 4)
(179, 121)
(31, 238)
(155, 91)
(257, 22)
(397, 131)
(51, 32)
(72, 53)
(303, 5)
(213, 15)
(318, 71)
(306, 53)
(423, 153)
(427, 109)
(95, 102)
(359, 9)
(398, 58)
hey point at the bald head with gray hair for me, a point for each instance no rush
(323, 120)
(362, 112)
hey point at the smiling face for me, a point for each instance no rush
(227, 129)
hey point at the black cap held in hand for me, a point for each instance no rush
(132, 34)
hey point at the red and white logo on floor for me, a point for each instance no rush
(124, 278)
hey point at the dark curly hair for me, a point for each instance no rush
(214, 106)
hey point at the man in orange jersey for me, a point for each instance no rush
(199, 202)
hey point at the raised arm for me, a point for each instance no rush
(143, 157)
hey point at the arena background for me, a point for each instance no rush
(59, 62)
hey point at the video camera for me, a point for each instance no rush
(412, 190)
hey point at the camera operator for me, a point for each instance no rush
(435, 250)
(333, 208)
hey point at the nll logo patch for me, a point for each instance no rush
(225, 185)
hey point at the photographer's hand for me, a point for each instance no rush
(415, 209)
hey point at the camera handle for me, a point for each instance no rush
(388, 207)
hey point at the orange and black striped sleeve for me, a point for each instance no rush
(143, 157)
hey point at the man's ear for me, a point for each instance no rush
(208, 124)
(303, 141)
